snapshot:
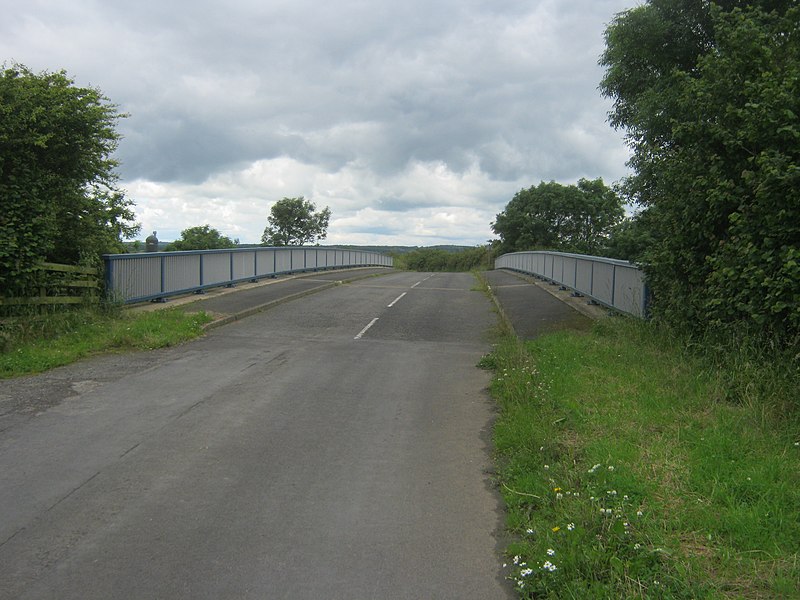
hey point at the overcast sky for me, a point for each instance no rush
(415, 121)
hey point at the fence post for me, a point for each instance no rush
(163, 263)
(613, 285)
(109, 275)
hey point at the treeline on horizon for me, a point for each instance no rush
(139, 246)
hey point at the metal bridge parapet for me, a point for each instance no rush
(156, 275)
(617, 284)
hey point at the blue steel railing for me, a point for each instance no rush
(155, 275)
(617, 284)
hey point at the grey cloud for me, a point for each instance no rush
(212, 86)
(329, 68)
(376, 230)
(395, 204)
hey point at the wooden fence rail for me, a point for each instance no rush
(63, 285)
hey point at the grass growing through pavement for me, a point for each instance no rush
(37, 343)
(634, 469)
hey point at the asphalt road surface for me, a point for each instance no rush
(337, 446)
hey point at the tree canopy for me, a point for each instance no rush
(709, 95)
(202, 237)
(58, 185)
(295, 222)
(553, 216)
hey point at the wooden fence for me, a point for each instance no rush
(63, 284)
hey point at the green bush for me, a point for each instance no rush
(437, 259)
(710, 97)
(57, 179)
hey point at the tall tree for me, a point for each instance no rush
(58, 184)
(713, 119)
(202, 237)
(553, 216)
(295, 222)
(630, 239)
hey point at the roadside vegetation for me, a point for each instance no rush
(706, 94)
(635, 465)
(37, 342)
(440, 260)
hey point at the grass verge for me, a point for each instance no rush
(37, 343)
(630, 470)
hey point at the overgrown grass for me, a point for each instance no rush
(37, 343)
(632, 468)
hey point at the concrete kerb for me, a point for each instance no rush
(225, 319)
(503, 315)
(593, 311)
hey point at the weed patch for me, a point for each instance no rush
(629, 472)
(39, 343)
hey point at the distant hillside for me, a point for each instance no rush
(138, 246)
(402, 249)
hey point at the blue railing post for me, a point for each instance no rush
(163, 262)
(613, 285)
